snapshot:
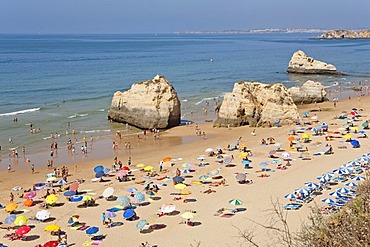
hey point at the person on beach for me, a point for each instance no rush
(11, 198)
(160, 166)
(103, 218)
(10, 168)
(33, 168)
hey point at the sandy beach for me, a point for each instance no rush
(183, 146)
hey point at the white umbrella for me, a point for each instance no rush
(108, 192)
(208, 150)
(168, 208)
(285, 155)
(43, 215)
(302, 191)
(343, 190)
(358, 178)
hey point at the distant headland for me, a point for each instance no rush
(345, 34)
(267, 30)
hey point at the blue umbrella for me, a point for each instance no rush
(99, 174)
(123, 201)
(264, 164)
(92, 230)
(351, 184)
(355, 143)
(302, 191)
(246, 162)
(336, 194)
(98, 169)
(139, 197)
(127, 214)
(358, 178)
(106, 170)
(343, 190)
(178, 179)
(141, 224)
(61, 182)
(312, 185)
(10, 219)
(290, 196)
(76, 198)
(131, 190)
(328, 200)
(70, 193)
(110, 214)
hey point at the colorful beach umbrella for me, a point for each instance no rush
(51, 243)
(30, 195)
(123, 201)
(241, 176)
(180, 186)
(358, 178)
(139, 197)
(168, 208)
(69, 193)
(243, 155)
(98, 168)
(166, 159)
(235, 202)
(351, 184)
(10, 219)
(11, 207)
(128, 213)
(108, 192)
(186, 165)
(148, 168)
(141, 224)
(92, 230)
(227, 160)
(23, 230)
(61, 182)
(28, 203)
(214, 173)
(188, 215)
(140, 165)
(76, 198)
(99, 174)
(51, 199)
(43, 215)
(52, 228)
(109, 214)
(178, 179)
(21, 220)
(203, 178)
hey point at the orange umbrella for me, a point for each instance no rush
(166, 159)
(291, 138)
(28, 203)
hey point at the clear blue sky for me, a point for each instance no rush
(162, 16)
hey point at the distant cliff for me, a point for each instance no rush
(345, 34)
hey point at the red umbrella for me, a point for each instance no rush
(74, 186)
(126, 168)
(51, 243)
(22, 230)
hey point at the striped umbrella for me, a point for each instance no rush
(358, 178)
(290, 196)
(123, 201)
(335, 194)
(343, 190)
(203, 178)
(351, 184)
(328, 200)
(235, 202)
(141, 224)
(227, 160)
(302, 191)
(312, 185)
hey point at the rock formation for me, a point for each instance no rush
(256, 104)
(346, 34)
(310, 92)
(148, 104)
(303, 64)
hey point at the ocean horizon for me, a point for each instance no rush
(59, 80)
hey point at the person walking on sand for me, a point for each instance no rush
(103, 218)
(33, 168)
(11, 199)
(10, 168)
(161, 166)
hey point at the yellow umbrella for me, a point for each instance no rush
(305, 136)
(188, 215)
(148, 168)
(11, 207)
(243, 155)
(21, 220)
(185, 192)
(52, 227)
(180, 186)
(87, 198)
(354, 128)
(140, 165)
(347, 136)
(51, 199)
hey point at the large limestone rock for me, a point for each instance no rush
(303, 64)
(345, 34)
(256, 104)
(310, 92)
(148, 104)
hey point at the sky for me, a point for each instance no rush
(167, 16)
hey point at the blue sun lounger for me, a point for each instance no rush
(292, 206)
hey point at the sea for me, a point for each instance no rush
(61, 83)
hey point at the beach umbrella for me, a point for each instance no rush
(343, 190)
(180, 186)
(43, 215)
(87, 198)
(203, 178)
(264, 163)
(28, 203)
(51, 199)
(178, 179)
(312, 185)
(76, 198)
(314, 118)
(208, 150)
(148, 168)
(74, 186)
(168, 208)
(141, 224)
(214, 173)
(125, 168)
(277, 144)
(98, 169)
(285, 155)
(339, 171)
(92, 230)
(188, 215)
(305, 136)
(363, 159)
(109, 214)
(30, 195)
(140, 165)
(108, 192)
(106, 170)
(305, 113)
(351, 184)
(241, 176)
(272, 152)
(235, 202)
(52, 228)
(123, 201)
(139, 197)
(328, 200)
(131, 190)
(17, 188)
(23, 230)
(355, 143)
(11, 207)
(243, 155)
(151, 193)
(358, 178)
(52, 243)
(128, 213)
(327, 176)
(121, 173)
(73, 219)
(186, 165)
(302, 191)
(335, 194)
(99, 174)
(290, 196)
(185, 171)
(323, 180)
(21, 220)
(246, 162)
(227, 160)
(61, 182)
(69, 193)
(347, 136)
(291, 138)
(10, 219)
(166, 159)
(51, 179)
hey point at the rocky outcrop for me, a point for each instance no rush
(148, 104)
(256, 104)
(345, 34)
(310, 92)
(303, 64)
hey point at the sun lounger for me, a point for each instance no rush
(292, 206)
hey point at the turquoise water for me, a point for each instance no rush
(51, 80)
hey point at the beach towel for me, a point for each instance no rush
(228, 216)
(83, 228)
(88, 243)
(76, 226)
(96, 242)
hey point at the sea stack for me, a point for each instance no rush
(302, 64)
(345, 34)
(148, 104)
(309, 92)
(257, 104)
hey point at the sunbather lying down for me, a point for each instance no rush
(263, 176)
(209, 191)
